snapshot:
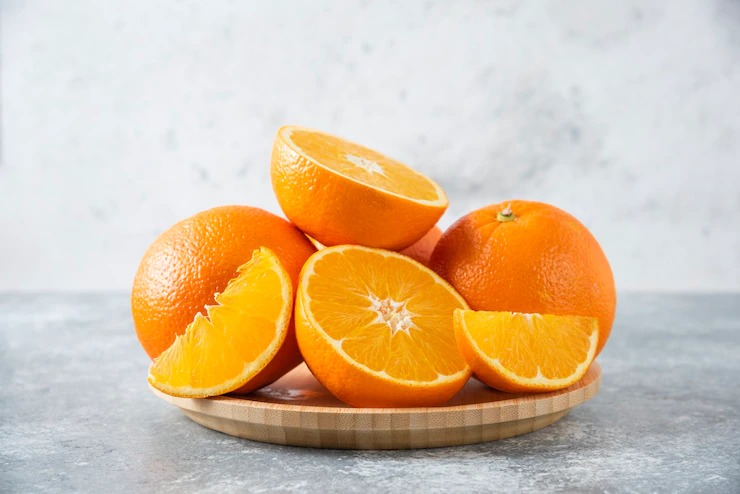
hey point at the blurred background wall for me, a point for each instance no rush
(120, 118)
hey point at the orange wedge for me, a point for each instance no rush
(518, 352)
(339, 192)
(375, 328)
(237, 345)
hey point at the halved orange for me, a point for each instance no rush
(518, 352)
(375, 328)
(339, 192)
(233, 346)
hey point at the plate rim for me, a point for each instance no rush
(576, 394)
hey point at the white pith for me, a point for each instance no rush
(369, 166)
(392, 313)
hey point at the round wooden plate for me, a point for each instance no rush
(298, 411)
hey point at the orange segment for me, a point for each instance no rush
(376, 329)
(230, 347)
(518, 352)
(339, 192)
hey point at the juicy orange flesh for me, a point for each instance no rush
(345, 288)
(236, 333)
(364, 165)
(528, 343)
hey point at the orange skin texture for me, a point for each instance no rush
(544, 261)
(186, 265)
(335, 210)
(422, 250)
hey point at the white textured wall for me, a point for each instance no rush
(119, 118)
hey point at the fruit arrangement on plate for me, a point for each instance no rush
(360, 283)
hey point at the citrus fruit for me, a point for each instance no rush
(419, 251)
(232, 346)
(339, 192)
(375, 328)
(422, 250)
(315, 243)
(528, 257)
(184, 267)
(518, 352)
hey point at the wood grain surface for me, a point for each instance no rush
(296, 410)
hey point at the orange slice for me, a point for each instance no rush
(518, 352)
(375, 328)
(339, 192)
(232, 347)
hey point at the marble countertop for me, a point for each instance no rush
(76, 415)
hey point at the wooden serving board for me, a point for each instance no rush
(296, 410)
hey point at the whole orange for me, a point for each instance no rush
(188, 264)
(422, 250)
(529, 257)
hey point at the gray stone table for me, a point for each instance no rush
(76, 415)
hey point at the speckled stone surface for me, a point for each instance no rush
(76, 415)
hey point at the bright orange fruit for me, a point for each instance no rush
(422, 250)
(339, 192)
(528, 257)
(232, 347)
(188, 264)
(375, 328)
(518, 352)
(419, 251)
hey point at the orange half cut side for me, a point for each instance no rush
(375, 327)
(339, 192)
